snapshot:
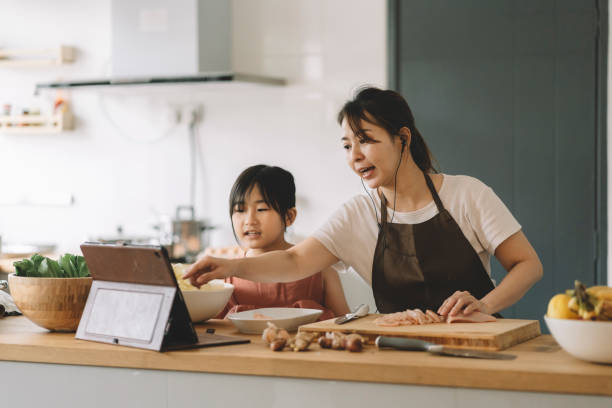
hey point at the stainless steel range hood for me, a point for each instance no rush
(162, 38)
(170, 41)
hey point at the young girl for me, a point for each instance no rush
(262, 206)
(422, 239)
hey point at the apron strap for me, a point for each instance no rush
(434, 193)
(383, 209)
(432, 190)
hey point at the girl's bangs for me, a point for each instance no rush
(243, 190)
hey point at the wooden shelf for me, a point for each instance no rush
(18, 57)
(36, 123)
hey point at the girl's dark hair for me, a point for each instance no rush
(389, 110)
(276, 185)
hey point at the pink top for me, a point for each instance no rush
(248, 295)
(304, 293)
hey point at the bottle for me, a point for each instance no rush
(36, 112)
(6, 111)
(25, 112)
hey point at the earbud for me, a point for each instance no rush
(403, 144)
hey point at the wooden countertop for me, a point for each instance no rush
(6, 265)
(6, 262)
(540, 366)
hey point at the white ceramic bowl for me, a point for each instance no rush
(206, 304)
(583, 339)
(288, 318)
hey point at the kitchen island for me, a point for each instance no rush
(38, 367)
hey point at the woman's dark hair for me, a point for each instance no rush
(276, 185)
(389, 110)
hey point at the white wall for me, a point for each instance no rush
(111, 162)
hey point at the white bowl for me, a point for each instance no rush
(288, 318)
(583, 339)
(206, 304)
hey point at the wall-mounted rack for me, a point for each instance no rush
(54, 123)
(22, 57)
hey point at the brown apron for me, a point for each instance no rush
(420, 265)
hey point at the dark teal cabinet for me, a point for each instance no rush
(513, 93)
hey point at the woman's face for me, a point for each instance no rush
(374, 161)
(257, 225)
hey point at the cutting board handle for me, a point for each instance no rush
(402, 343)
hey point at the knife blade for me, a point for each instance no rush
(360, 311)
(400, 343)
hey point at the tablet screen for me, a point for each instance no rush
(125, 314)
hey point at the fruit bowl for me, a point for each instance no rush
(583, 339)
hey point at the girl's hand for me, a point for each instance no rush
(459, 301)
(209, 268)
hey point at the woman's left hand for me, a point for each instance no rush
(459, 301)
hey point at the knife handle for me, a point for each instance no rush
(402, 343)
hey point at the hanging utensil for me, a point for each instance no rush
(360, 311)
(187, 238)
(420, 345)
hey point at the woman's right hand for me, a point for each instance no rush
(209, 268)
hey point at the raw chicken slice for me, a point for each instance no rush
(416, 316)
(474, 317)
(406, 317)
(436, 318)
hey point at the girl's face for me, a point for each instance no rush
(257, 225)
(374, 162)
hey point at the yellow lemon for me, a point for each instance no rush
(557, 307)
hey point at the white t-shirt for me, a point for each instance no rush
(352, 231)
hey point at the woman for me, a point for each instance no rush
(435, 256)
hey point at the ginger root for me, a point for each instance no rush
(301, 341)
(354, 342)
(275, 337)
(340, 341)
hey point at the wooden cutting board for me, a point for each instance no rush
(498, 335)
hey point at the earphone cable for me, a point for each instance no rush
(373, 203)
(395, 185)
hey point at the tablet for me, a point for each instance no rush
(135, 301)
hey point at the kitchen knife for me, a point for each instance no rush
(401, 343)
(360, 311)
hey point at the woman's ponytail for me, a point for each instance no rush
(420, 152)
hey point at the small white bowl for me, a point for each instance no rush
(206, 304)
(583, 339)
(288, 318)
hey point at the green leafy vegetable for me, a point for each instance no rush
(68, 264)
(82, 269)
(38, 266)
